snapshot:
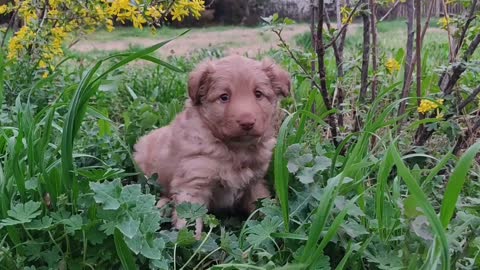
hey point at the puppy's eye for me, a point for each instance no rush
(258, 94)
(224, 98)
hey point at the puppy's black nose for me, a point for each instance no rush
(247, 125)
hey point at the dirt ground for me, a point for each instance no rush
(248, 41)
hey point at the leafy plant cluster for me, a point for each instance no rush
(72, 198)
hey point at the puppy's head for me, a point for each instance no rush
(238, 97)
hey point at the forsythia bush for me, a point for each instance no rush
(46, 24)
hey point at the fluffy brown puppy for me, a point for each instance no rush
(217, 151)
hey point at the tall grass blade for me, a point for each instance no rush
(385, 167)
(123, 252)
(281, 171)
(422, 201)
(456, 182)
(319, 221)
(86, 88)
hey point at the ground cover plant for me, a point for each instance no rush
(359, 182)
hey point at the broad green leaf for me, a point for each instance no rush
(40, 224)
(353, 229)
(185, 238)
(129, 227)
(261, 232)
(189, 210)
(107, 193)
(22, 213)
(72, 224)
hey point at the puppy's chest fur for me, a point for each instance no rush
(237, 169)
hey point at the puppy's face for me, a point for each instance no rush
(237, 97)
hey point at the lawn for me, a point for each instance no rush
(71, 196)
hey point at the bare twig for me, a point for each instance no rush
(344, 27)
(418, 50)
(447, 81)
(293, 57)
(462, 140)
(365, 53)
(450, 42)
(390, 10)
(321, 71)
(470, 18)
(10, 25)
(469, 99)
(373, 24)
(409, 57)
(418, 60)
(313, 14)
(338, 53)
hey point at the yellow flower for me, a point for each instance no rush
(16, 45)
(45, 75)
(178, 12)
(154, 12)
(3, 9)
(58, 32)
(138, 20)
(392, 65)
(444, 22)
(109, 25)
(182, 9)
(345, 11)
(42, 64)
(53, 13)
(428, 105)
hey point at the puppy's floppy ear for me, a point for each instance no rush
(279, 78)
(198, 82)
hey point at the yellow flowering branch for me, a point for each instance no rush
(48, 23)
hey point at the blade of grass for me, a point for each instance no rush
(123, 252)
(422, 200)
(385, 168)
(456, 182)
(319, 221)
(280, 169)
(331, 232)
(434, 171)
(86, 88)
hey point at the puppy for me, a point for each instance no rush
(217, 151)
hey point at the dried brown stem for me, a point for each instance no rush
(450, 41)
(418, 50)
(9, 26)
(471, 17)
(338, 53)
(409, 58)
(469, 99)
(395, 5)
(322, 73)
(344, 27)
(365, 53)
(447, 82)
(373, 24)
(294, 58)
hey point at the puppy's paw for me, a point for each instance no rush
(162, 202)
(198, 228)
(178, 223)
